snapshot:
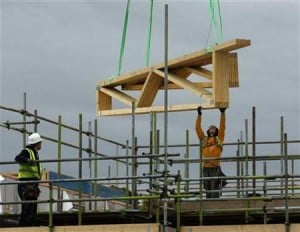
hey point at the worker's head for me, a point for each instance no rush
(212, 131)
(35, 140)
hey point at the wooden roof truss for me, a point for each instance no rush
(217, 70)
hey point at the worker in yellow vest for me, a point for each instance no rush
(30, 169)
(212, 147)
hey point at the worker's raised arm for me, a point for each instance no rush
(198, 127)
(222, 125)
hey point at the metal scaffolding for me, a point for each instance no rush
(168, 186)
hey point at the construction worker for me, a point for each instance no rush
(212, 146)
(30, 169)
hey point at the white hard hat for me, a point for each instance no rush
(34, 138)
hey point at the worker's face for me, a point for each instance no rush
(38, 146)
(212, 131)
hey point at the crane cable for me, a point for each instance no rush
(216, 24)
(123, 40)
(149, 33)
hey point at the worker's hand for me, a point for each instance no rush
(222, 110)
(199, 110)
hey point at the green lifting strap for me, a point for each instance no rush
(216, 21)
(123, 38)
(123, 41)
(149, 33)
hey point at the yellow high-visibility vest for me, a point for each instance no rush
(218, 142)
(30, 171)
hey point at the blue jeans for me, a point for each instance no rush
(212, 186)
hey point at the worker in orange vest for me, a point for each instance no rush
(212, 147)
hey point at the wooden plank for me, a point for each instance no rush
(220, 79)
(122, 97)
(236, 228)
(204, 85)
(183, 72)
(198, 58)
(110, 228)
(231, 45)
(158, 109)
(136, 87)
(233, 70)
(175, 63)
(156, 228)
(170, 86)
(294, 227)
(25, 229)
(204, 56)
(149, 227)
(126, 78)
(104, 101)
(149, 90)
(186, 84)
(201, 72)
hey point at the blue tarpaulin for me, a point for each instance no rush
(87, 187)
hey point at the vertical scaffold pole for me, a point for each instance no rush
(286, 181)
(253, 149)
(80, 171)
(201, 184)
(117, 165)
(127, 172)
(186, 165)
(157, 150)
(59, 134)
(165, 200)
(134, 160)
(50, 224)
(238, 168)
(24, 119)
(281, 153)
(35, 120)
(247, 170)
(96, 161)
(265, 192)
(178, 202)
(242, 163)
(151, 152)
(90, 161)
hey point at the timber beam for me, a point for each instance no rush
(215, 70)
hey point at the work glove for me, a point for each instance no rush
(199, 110)
(222, 110)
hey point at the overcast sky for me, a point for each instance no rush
(57, 51)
